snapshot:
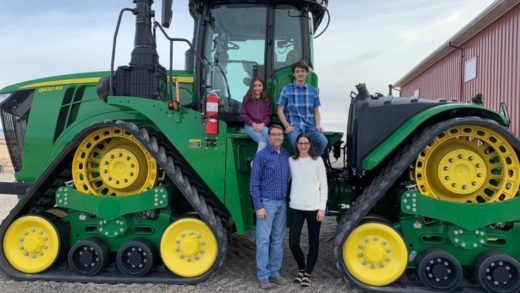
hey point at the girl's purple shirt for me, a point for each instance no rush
(255, 111)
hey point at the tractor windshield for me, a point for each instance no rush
(287, 36)
(235, 44)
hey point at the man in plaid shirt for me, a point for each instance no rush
(298, 109)
(268, 187)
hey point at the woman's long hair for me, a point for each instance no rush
(251, 92)
(312, 154)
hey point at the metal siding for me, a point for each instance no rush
(498, 65)
(439, 81)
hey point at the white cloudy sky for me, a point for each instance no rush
(371, 41)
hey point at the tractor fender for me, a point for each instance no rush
(420, 121)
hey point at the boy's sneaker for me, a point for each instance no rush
(279, 280)
(265, 285)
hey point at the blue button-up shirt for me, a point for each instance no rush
(269, 176)
(299, 103)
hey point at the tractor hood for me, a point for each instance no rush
(59, 80)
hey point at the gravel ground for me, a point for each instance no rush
(236, 275)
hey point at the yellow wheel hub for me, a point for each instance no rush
(189, 247)
(468, 164)
(462, 171)
(31, 244)
(375, 254)
(34, 243)
(110, 161)
(119, 168)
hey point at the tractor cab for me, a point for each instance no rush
(243, 40)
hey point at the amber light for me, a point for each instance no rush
(174, 105)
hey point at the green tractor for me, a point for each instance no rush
(125, 177)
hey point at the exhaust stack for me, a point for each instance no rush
(144, 77)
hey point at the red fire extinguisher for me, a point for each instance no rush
(211, 121)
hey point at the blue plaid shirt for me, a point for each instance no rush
(269, 176)
(299, 103)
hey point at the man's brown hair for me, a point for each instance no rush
(277, 126)
(300, 64)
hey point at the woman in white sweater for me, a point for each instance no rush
(308, 200)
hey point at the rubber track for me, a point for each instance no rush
(37, 199)
(386, 179)
(185, 186)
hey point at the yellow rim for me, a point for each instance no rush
(110, 161)
(31, 244)
(188, 247)
(375, 254)
(468, 164)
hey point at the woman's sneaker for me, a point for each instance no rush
(306, 281)
(299, 277)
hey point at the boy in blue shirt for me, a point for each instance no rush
(298, 109)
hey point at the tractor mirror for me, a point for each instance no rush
(166, 16)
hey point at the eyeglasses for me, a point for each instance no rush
(303, 143)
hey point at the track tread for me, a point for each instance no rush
(190, 192)
(41, 197)
(385, 179)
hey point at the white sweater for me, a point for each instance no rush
(309, 184)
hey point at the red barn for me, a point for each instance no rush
(483, 57)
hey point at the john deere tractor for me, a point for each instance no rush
(141, 173)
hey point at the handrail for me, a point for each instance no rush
(114, 41)
(200, 58)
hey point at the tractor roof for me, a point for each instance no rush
(316, 7)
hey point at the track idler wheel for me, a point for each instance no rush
(375, 254)
(498, 272)
(88, 257)
(32, 244)
(468, 163)
(111, 161)
(439, 270)
(136, 258)
(189, 248)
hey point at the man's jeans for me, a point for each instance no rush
(319, 141)
(270, 238)
(260, 137)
